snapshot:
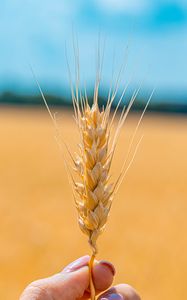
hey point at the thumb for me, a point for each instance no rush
(72, 283)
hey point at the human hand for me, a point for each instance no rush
(73, 283)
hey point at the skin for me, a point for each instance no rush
(73, 283)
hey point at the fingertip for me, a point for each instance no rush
(127, 291)
(120, 291)
(103, 275)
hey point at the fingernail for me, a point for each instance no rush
(113, 297)
(77, 264)
(109, 265)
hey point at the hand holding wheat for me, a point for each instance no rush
(73, 281)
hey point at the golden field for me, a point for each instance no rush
(146, 235)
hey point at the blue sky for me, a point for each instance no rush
(36, 32)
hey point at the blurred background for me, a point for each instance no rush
(146, 234)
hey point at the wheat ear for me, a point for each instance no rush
(93, 191)
(92, 165)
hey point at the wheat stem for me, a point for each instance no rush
(91, 284)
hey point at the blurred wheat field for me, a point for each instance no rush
(146, 233)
